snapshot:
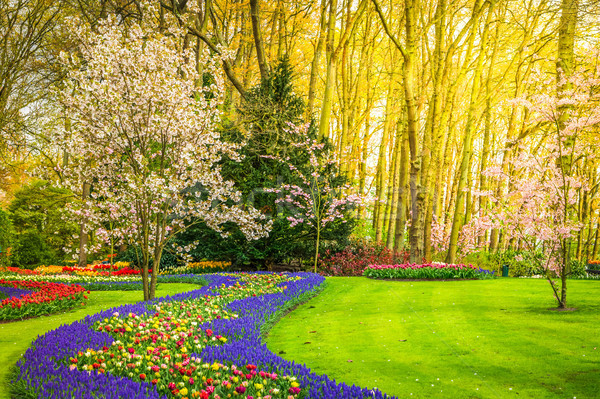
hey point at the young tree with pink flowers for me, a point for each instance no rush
(143, 134)
(315, 200)
(540, 206)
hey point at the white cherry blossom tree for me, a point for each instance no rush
(143, 134)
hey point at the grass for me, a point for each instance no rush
(455, 339)
(15, 337)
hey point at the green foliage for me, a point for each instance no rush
(31, 251)
(168, 260)
(39, 208)
(6, 237)
(264, 130)
(520, 263)
(577, 268)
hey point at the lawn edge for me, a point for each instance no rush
(289, 307)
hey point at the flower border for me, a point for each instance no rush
(41, 369)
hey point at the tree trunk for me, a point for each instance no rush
(395, 183)
(83, 228)
(416, 230)
(564, 69)
(467, 146)
(314, 69)
(403, 189)
(431, 164)
(382, 171)
(596, 239)
(330, 76)
(258, 42)
(317, 244)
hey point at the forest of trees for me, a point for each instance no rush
(451, 116)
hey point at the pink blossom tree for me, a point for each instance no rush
(315, 200)
(143, 134)
(539, 208)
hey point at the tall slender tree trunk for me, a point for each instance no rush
(395, 184)
(403, 188)
(362, 174)
(83, 228)
(258, 42)
(432, 167)
(382, 171)
(330, 76)
(467, 146)
(596, 240)
(314, 69)
(564, 69)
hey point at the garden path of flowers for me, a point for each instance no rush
(205, 343)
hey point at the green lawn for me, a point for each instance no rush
(15, 337)
(455, 339)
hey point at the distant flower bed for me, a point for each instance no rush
(16, 270)
(427, 271)
(118, 269)
(103, 283)
(593, 265)
(34, 298)
(353, 259)
(208, 266)
(201, 344)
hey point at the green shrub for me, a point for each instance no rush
(31, 251)
(578, 268)
(520, 263)
(263, 128)
(40, 207)
(6, 237)
(133, 255)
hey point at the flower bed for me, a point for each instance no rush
(118, 269)
(353, 259)
(106, 283)
(205, 343)
(16, 270)
(32, 298)
(427, 271)
(200, 268)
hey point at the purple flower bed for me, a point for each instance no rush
(44, 367)
(11, 292)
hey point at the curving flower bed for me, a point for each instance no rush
(34, 298)
(427, 271)
(100, 283)
(201, 344)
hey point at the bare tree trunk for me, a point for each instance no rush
(395, 192)
(314, 70)
(330, 76)
(382, 171)
(564, 69)
(403, 189)
(258, 42)
(467, 145)
(596, 239)
(83, 228)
